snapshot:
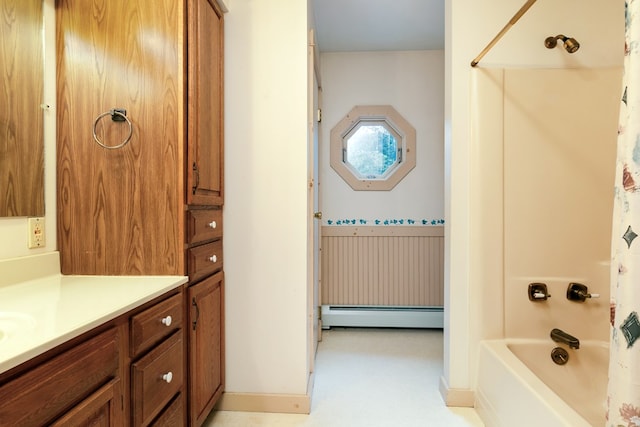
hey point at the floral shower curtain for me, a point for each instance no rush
(624, 365)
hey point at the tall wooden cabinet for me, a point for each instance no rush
(140, 185)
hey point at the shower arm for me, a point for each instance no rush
(502, 32)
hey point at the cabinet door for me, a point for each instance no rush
(205, 108)
(206, 346)
(102, 408)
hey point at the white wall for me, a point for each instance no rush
(13, 231)
(266, 196)
(598, 26)
(411, 82)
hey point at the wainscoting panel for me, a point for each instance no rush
(400, 266)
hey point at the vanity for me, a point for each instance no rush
(87, 350)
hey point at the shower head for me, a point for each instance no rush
(571, 45)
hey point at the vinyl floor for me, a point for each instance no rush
(367, 377)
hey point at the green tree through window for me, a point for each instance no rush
(371, 150)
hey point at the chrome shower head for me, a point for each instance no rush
(571, 45)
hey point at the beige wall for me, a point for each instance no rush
(266, 197)
(412, 82)
(560, 150)
(546, 143)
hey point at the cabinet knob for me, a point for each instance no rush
(213, 224)
(213, 258)
(166, 321)
(168, 377)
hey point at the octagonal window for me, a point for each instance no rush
(373, 148)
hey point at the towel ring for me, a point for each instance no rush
(116, 116)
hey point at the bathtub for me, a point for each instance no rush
(519, 385)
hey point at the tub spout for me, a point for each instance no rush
(561, 336)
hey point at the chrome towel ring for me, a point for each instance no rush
(117, 115)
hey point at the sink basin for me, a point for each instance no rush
(12, 322)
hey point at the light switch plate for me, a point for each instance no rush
(36, 233)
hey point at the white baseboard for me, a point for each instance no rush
(382, 316)
(456, 396)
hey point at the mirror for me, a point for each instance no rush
(21, 115)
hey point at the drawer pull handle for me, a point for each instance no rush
(213, 224)
(213, 258)
(168, 377)
(167, 320)
(194, 303)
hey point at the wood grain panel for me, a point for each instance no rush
(21, 118)
(111, 203)
(374, 266)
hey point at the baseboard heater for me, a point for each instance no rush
(382, 316)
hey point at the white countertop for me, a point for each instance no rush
(37, 315)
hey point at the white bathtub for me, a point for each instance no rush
(519, 384)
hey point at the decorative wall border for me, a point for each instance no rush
(383, 222)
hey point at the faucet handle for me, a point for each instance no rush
(538, 292)
(579, 292)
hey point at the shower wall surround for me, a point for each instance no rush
(546, 151)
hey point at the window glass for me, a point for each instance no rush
(371, 150)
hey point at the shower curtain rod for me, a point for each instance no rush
(506, 28)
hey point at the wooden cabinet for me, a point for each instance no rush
(205, 197)
(107, 377)
(152, 206)
(206, 353)
(79, 385)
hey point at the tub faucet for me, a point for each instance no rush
(561, 336)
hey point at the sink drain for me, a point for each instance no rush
(559, 355)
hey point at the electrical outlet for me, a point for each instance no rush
(36, 233)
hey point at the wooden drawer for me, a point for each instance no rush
(102, 408)
(203, 224)
(204, 260)
(156, 379)
(152, 325)
(173, 416)
(42, 394)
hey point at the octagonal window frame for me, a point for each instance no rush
(400, 128)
